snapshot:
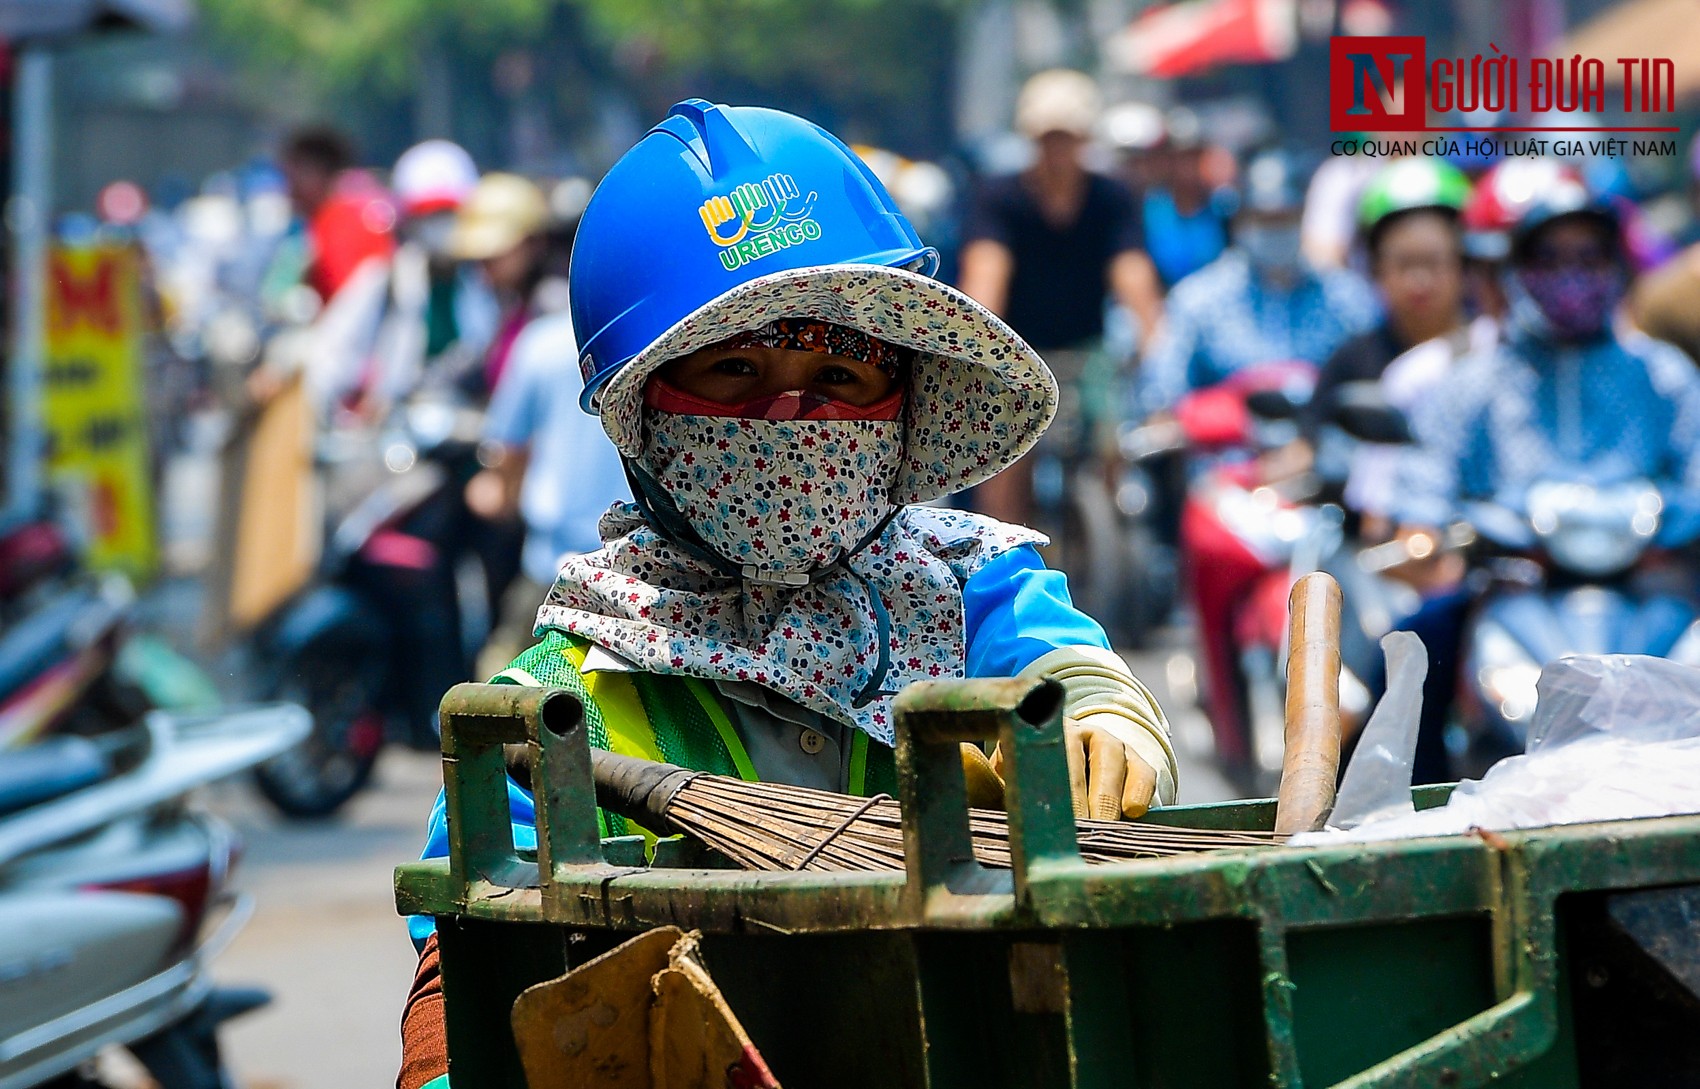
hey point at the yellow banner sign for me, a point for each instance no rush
(94, 405)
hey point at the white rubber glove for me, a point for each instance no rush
(1120, 759)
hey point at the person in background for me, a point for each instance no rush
(1135, 132)
(502, 226)
(1565, 394)
(441, 315)
(348, 216)
(550, 463)
(341, 251)
(1497, 201)
(1260, 302)
(1410, 223)
(1047, 249)
(1186, 223)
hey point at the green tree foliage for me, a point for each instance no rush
(337, 44)
(879, 68)
(884, 64)
(838, 42)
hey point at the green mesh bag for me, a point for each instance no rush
(683, 730)
(547, 662)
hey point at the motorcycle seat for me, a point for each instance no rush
(50, 768)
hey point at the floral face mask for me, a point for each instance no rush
(766, 548)
(779, 498)
(786, 484)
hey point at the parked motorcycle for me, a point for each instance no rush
(395, 614)
(61, 632)
(114, 896)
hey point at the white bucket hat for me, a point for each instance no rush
(979, 397)
(1058, 100)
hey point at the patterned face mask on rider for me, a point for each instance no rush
(1572, 303)
(1270, 248)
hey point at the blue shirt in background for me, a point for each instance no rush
(1181, 244)
(1223, 319)
(574, 473)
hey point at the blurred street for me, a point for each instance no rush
(325, 938)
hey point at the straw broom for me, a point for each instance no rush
(769, 826)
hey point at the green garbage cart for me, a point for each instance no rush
(1564, 957)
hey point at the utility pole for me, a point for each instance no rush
(28, 216)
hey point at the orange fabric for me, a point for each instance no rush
(424, 1039)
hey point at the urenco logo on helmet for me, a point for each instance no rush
(1389, 85)
(756, 219)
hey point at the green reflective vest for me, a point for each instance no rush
(674, 719)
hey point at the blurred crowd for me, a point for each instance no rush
(1171, 280)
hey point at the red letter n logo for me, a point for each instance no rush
(1377, 84)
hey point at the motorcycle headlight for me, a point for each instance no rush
(1596, 551)
(1506, 674)
(1591, 531)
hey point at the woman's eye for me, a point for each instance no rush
(835, 376)
(734, 365)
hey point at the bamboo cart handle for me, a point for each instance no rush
(1310, 765)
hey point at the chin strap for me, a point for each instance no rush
(664, 515)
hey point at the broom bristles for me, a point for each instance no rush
(769, 826)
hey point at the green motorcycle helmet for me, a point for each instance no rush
(1411, 185)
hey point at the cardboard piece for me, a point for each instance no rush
(269, 532)
(645, 1015)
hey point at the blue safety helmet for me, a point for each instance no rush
(710, 199)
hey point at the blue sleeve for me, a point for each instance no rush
(1017, 611)
(516, 408)
(522, 811)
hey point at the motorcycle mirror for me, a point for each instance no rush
(1361, 412)
(1271, 404)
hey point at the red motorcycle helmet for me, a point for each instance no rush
(1506, 195)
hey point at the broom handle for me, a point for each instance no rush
(1311, 763)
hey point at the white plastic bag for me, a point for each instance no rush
(1377, 784)
(1614, 737)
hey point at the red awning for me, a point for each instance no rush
(1185, 38)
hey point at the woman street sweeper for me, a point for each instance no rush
(787, 385)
